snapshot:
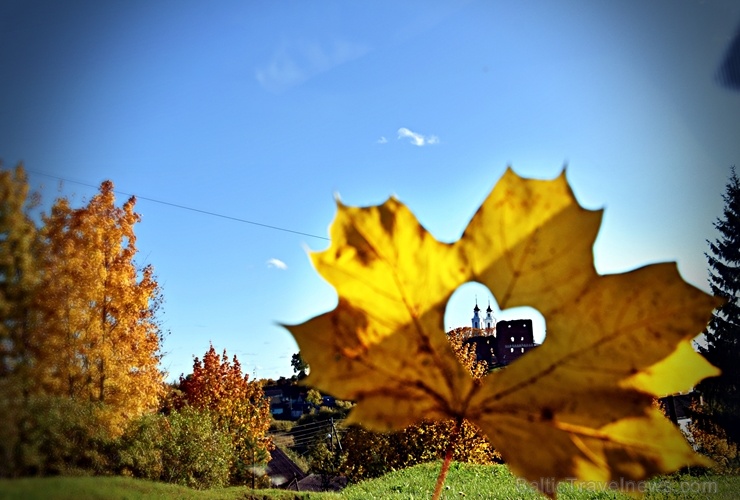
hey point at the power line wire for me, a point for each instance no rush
(183, 207)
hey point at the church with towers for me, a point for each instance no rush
(498, 343)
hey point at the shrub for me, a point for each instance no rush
(140, 448)
(194, 452)
(372, 454)
(184, 447)
(711, 441)
(281, 425)
(59, 435)
(11, 410)
(325, 462)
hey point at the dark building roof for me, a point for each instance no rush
(679, 405)
(282, 470)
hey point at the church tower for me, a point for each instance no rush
(490, 321)
(476, 318)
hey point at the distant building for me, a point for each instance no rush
(677, 407)
(499, 343)
(287, 400)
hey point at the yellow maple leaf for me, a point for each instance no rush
(578, 406)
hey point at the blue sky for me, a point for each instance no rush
(262, 111)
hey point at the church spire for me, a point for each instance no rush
(476, 318)
(490, 320)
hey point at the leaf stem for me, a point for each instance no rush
(448, 459)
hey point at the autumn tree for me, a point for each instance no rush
(238, 406)
(466, 352)
(99, 340)
(19, 273)
(720, 413)
(19, 278)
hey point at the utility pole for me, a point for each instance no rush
(334, 433)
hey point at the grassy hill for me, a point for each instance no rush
(496, 482)
(463, 481)
(122, 488)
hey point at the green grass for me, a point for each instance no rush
(493, 482)
(124, 488)
(463, 481)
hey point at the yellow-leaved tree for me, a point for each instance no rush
(19, 273)
(99, 340)
(19, 279)
(578, 406)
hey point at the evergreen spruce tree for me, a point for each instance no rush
(721, 397)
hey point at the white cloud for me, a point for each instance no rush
(294, 62)
(382, 140)
(416, 138)
(281, 73)
(277, 263)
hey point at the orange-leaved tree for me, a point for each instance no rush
(99, 339)
(237, 405)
